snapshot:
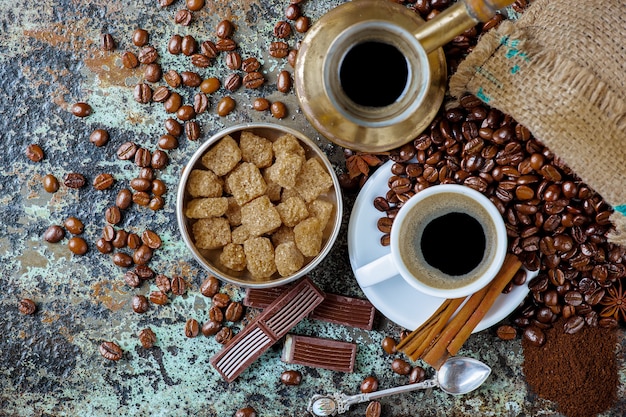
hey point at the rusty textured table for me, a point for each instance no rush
(50, 58)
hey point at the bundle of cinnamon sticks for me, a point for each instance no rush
(445, 332)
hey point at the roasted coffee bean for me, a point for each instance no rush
(216, 314)
(152, 73)
(99, 137)
(373, 409)
(192, 328)
(191, 79)
(74, 225)
(74, 180)
(210, 286)
(26, 306)
(389, 345)
(127, 150)
(143, 157)
(234, 312)
(233, 60)
(104, 246)
(302, 24)
(282, 30)
(179, 286)
(141, 198)
(174, 46)
(139, 304)
(173, 127)
(250, 64)
(293, 12)
(54, 234)
(400, 366)
(107, 43)
(158, 187)
(122, 259)
(159, 159)
(103, 181)
(148, 54)
(123, 199)
(34, 152)
(113, 215)
(158, 298)
(50, 183)
(111, 351)
(147, 338)
(129, 60)
(225, 45)
(121, 239)
(209, 49)
(225, 106)
(140, 37)
(144, 272)
(246, 412)
(291, 377)
(189, 45)
(221, 300)
(574, 324)
(211, 328)
(77, 246)
(151, 239)
(233, 82)
(81, 109)
(292, 56)
(167, 142)
(278, 49)
(173, 79)
(183, 17)
(283, 82)
(192, 130)
(200, 103)
(142, 93)
(384, 224)
(163, 283)
(224, 335)
(210, 85)
(260, 104)
(142, 255)
(161, 94)
(535, 335)
(418, 374)
(253, 80)
(278, 110)
(369, 384)
(132, 279)
(224, 29)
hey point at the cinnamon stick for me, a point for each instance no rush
(424, 326)
(511, 265)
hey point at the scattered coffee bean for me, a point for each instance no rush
(224, 335)
(142, 255)
(282, 30)
(192, 328)
(122, 260)
(173, 79)
(103, 181)
(173, 127)
(225, 106)
(132, 279)
(144, 272)
(74, 180)
(283, 82)
(233, 60)
(253, 80)
(151, 239)
(534, 335)
(191, 79)
(216, 314)
(210, 286)
(74, 225)
(506, 332)
(141, 198)
(278, 49)
(104, 246)
(291, 57)
(192, 130)
(302, 24)
(77, 245)
(418, 374)
(50, 183)
(250, 64)
(369, 384)
(183, 17)
(195, 5)
(123, 199)
(179, 286)
(142, 93)
(163, 283)
(147, 338)
(293, 12)
(147, 55)
(107, 43)
(188, 45)
(278, 109)
(173, 103)
(209, 49)
(291, 377)
(246, 412)
(260, 104)
(389, 345)
(81, 109)
(211, 328)
(54, 234)
(143, 157)
(224, 29)
(225, 45)
(233, 82)
(113, 215)
(200, 103)
(127, 151)
(140, 37)
(210, 85)
(159, 159)
(129, 60)
(111, 351)
(174, 46)
(221, 300)
(26, 306)
(158, 298)
(400, 366)
(234, 312)
(373, 409)
(139, 304)
(120, 240)
(34, 152)
(99, 137)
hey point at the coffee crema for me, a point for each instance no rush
(449, 242)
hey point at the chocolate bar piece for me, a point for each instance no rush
(319, 353)
(337, 309)
(266, 329)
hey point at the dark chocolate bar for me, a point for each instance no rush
(266, 329)
(337, 309)
(319, 353)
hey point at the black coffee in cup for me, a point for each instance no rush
(448, 241)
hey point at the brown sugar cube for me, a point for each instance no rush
(200, 208)
(288, 258)
(240, 234)
(283, 234)
(246, 183)
(223, 156)
(288, 193)
(233, 212)
(321, 209)
(256, 149)
(233, 257)
(211, 233)
(260, 257)
(285, 169)
(260, 216)
(287, 144)
(292, 211)
(273, 190)
(308, 236)
(204, 183)
(313, 180)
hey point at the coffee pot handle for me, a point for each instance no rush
(455, 20)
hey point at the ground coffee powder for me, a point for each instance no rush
(576, 371)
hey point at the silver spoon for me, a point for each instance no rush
(457, 376)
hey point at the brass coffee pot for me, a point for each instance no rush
(371, 74)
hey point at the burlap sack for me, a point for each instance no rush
(560, 71)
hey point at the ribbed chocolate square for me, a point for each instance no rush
(319, 353)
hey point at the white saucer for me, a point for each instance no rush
(397, 300)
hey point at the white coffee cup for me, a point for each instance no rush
(447, 241)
